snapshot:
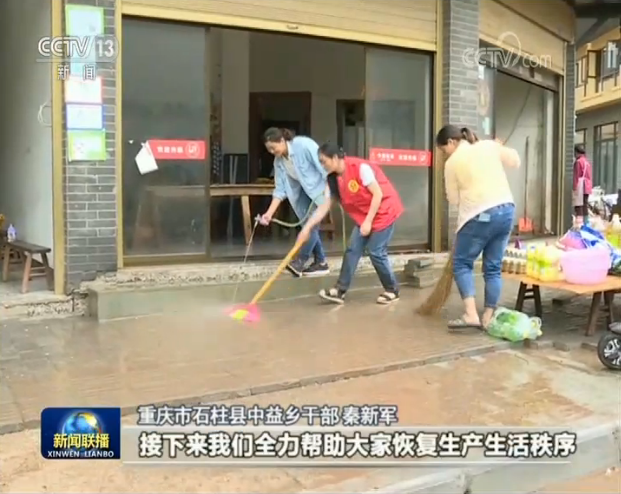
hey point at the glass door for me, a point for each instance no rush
(398, 114)
(165, 113)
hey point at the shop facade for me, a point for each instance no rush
(199, 80)
(598, 105)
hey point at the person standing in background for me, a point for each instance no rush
(299, 178)
(582, 183)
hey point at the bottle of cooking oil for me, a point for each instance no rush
(613, 235)
(530, 262)
(538, 257)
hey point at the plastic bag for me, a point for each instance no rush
(572, 240)
(514, 326)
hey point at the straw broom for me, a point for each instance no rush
(441, 292)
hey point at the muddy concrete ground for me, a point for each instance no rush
(507, 388)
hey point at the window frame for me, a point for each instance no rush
(600, 174)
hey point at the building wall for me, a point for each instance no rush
(591, 119)
(25, 126)
(91, 196)
(460, 81)
(90, 188)
(568, 133)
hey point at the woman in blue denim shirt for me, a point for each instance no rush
(300, 178)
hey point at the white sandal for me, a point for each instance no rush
(387, 298)
(333, 295)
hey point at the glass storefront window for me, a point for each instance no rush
(398, 116)
(165, 91)
(606, 157)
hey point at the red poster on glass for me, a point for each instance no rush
(177, 149)
(400, 157)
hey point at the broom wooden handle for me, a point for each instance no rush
(266, 286)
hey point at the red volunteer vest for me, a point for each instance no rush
(356, 198)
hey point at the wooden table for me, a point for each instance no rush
(153, 195)
(530, 290)
(243, 191)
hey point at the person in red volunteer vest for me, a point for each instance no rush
(373, 204)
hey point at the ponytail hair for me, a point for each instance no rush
(452, 132)
(331, 150)
(274, 134)
(468, 135)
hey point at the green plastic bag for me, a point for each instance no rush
(514, 326)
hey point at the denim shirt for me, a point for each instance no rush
(311, 183)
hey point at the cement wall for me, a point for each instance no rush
(25, 126)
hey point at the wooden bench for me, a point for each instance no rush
(31, 266)
(530, 290)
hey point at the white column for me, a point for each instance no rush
(235, 90)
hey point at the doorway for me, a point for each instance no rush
(284, 110)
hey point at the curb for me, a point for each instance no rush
(598, 448)
(296, 383)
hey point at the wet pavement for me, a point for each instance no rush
(207, 356)
(604, 482)
(505, 388)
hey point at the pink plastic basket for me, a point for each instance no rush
(587, 266)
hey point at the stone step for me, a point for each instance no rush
(140, 292)
(108, 302)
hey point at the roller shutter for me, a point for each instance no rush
(406, 23)
(501, 26)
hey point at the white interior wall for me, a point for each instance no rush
(25, 144)
(329, 70)
(235, 90)
(520, 115)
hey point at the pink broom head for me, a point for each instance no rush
(246, 313)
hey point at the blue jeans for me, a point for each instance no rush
(487, 233)
(313, 247)
(376, 245)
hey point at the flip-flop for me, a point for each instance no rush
(461, 325)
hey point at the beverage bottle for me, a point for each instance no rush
(614, 236)
(11, 234)
(539, 262)
(555, 264)
(544, 269)
(530, 261)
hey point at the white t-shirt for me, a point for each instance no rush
(290, 168)
(367, 177)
